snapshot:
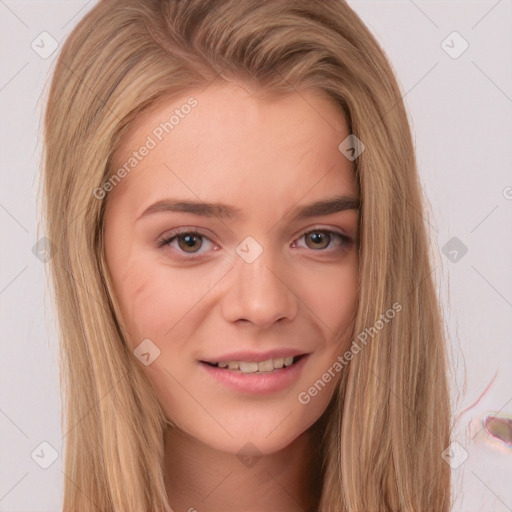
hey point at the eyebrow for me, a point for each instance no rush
(324, 207)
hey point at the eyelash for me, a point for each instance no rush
(346, 241)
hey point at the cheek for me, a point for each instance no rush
(330, 295)
(151, 303)
(160, 302)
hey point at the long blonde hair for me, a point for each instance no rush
(390, 417)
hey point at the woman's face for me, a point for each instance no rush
(200, 284)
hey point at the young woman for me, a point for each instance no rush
(242, 276)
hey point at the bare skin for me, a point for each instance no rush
(198, 299)
(288, 480)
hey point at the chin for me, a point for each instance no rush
(255, 434)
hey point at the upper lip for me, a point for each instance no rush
(249, 356)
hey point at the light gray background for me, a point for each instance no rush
(461, 113)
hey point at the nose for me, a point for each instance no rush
(259, 292)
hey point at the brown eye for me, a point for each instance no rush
(323, 240)
(188, 242)
(185, 242)
(319, 239)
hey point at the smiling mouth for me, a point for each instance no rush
(267, 366)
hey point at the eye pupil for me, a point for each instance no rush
(317, 237)
(190, 241)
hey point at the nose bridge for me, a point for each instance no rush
(258, 290)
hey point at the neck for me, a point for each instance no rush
(199, 477)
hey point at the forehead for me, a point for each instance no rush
(228, 138)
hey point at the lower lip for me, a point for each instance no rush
(257, 383)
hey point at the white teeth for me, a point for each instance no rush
(266, 366)
(248, 367)
(253, 366)
(279, 362)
